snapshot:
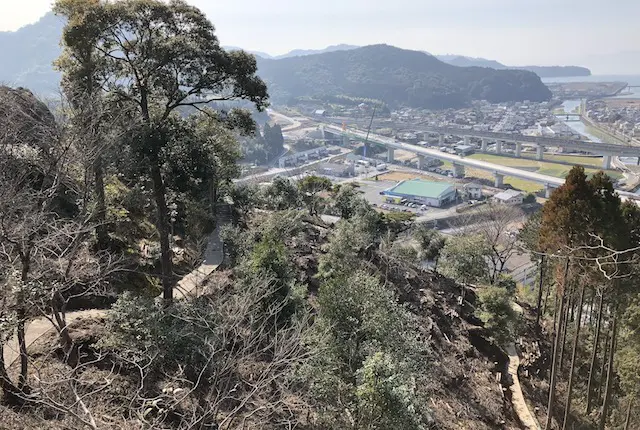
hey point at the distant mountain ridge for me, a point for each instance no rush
(303, 52)
(542, 71)
(410, 77)
(462, 61)
(256, 53)
(396, 76)
(297, 52)
(454, 60)
(28, 54)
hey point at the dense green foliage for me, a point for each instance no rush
(106, 56)
(305, 324)
(497, 311)
(396, 76)
(589, 242)
(465, 259)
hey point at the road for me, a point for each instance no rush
(625, 150)
(294, 123)
(549, 181)
(433, 153)
(286, 171)
(524, 274)
(579, 145)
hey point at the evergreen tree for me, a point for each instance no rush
(184, 68)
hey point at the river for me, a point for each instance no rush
(580, 127)
(571, 105)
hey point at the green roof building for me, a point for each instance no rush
(423, 192)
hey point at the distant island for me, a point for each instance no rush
(542, 71)
(398, 77)
(557, 71)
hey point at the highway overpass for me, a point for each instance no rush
(459, 163)
(606, 150)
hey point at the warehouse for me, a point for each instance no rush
(423, 192)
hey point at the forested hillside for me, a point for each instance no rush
(143, 287)
(397, 76)
(28, 54)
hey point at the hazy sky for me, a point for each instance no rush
(515, 32)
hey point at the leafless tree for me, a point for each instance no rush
(248, 359)
(32, 159)
(497, 224)
(46, 259)
(240, 375)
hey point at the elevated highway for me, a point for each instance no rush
(459, 163)
(604, 149)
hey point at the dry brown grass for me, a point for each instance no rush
(621, 103)
(403, 176)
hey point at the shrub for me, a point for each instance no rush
(497, 312)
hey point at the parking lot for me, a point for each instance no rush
(372, 189)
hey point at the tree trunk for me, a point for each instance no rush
(556, 347)
(556, 309)
(21, 315)
(546, 299)
(627, 420)
(213, 196)
(159, 194)
(102, 232)
(607, 390)
(9, 390)
(572, 309)
(576, 337)
(594, 353)
(591, 300)
(563, 329)
(22, 344)
(540, 288)
(58, 312)
(603, 367)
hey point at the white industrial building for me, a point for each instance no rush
(473, 191)
(509, 197)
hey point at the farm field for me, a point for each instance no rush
(549, 167)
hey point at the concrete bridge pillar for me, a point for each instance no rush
(323, 132)
(484, 145)
(540, 153)
(518, 149)
(467, 140)
(390, 155)
(458, 170)
(498, 147)
(441, 139)
(548, 189)
(606, 162)
(499, 180)
(421, 162)
(346, 141)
